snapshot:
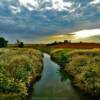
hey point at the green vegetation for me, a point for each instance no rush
(3, 42)
(83, 66)
(60, 55)
(20, 44)
(18, 68)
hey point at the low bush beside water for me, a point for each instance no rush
(18, 68)
(83, 66)
(60, 55)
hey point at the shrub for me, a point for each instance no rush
(21, 45)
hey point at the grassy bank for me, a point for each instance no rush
(18, 68)
(83, 66)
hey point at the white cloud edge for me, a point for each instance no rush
(58, 5)
(87, 33)
(15, 10)
(95, 2)
(55, 5)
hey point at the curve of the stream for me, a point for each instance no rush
(54, 84)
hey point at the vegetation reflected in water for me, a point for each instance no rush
(63, 75)
(54, 83)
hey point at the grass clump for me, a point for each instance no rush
(18, 68)
(60, 55)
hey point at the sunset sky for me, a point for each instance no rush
(41, 21)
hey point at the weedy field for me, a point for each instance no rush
(18, 68)
(83, 66)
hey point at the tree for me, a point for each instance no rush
(66, 41)
(20, 44)
(3, 42)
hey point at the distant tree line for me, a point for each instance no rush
(4, 43)
(55, 42)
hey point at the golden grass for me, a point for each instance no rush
(18, 67)
(84, 66)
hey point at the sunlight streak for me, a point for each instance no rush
(87, 33)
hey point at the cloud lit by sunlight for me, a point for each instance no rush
(57, 38)
(87, 33)
(91, 35)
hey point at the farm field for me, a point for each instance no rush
(18, 68)
(75, 45)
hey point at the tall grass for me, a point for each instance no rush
(18, 67)
(84, 66)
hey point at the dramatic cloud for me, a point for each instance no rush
(83, 35)
(87, 33)
(95, 2)
(29, 4)
(32, 19)
(45, 4)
